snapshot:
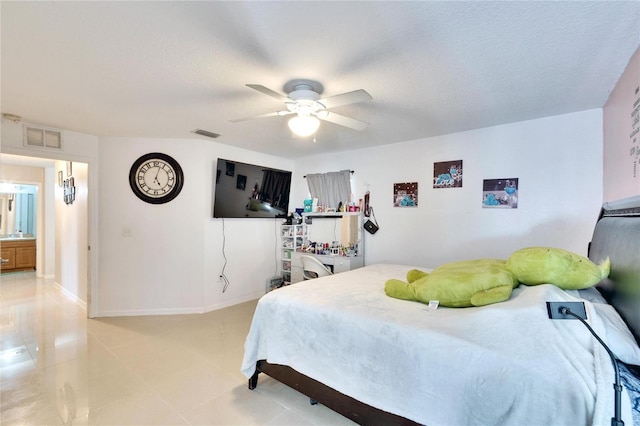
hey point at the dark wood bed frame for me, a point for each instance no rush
(353, 409)
(616, 235)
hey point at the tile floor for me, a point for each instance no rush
(59, 368)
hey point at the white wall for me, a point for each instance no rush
(622, 135)
(172, 261)
(72, 233)
(558, 161)
(173, 258)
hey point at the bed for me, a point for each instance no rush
(376, 360)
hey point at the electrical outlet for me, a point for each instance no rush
(126, 231)
(553, 309)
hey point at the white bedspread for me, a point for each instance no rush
(505, 363)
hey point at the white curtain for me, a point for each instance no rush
(330, 188)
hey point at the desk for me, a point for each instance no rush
(337, 263)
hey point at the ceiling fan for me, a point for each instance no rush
(303, 99)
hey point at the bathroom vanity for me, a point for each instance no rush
(17, 254)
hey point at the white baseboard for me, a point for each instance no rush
(72, 296)
(182, 311)
(232, 302)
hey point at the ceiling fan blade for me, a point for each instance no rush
(269, 114)
(359, 95)
(260, 88)
(342, 120)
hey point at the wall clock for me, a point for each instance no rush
(156, 178)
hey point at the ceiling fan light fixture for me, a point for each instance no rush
(304, 125)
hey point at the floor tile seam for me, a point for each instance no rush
(203, 403)
(77, 356)
(132, 371)
(148, 388)
(95, 410)
(121, 363)
(34, 360)
(221, 394)
(275, 420)
(161, 398)
(211, 363)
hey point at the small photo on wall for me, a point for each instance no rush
(231, 168)
(447, 174)
(241, 182)
(405, 194)
(500, 193)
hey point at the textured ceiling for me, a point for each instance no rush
(162, 69)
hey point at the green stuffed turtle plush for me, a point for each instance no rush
(547, 265)
(457, 284)
(485, 281)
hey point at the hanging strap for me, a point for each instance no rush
(373, 215)
(371, 226)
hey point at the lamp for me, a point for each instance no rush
(304, 125)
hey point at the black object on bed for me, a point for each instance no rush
(617, 235)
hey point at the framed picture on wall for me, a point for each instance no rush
(500, 193)
(447, 174)
(405, 194)
(241, 182)
(231, 168)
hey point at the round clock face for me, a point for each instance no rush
(156, 178)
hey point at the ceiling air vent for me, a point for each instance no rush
(41, 137)
(205, 133)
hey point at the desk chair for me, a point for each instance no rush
(313, 268)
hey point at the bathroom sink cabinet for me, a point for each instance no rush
(17, 255)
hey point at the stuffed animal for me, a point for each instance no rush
(486, 281)
(458, 284)
(546, 265)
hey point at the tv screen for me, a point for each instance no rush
(246, 190)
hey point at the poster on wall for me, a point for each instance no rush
(231, 168)
(500, 193)
(405, 194)
(447, 174)
(241, 182)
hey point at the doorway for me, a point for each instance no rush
(61, 229)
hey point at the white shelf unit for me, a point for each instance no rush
(293, 237)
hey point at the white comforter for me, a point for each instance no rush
(505, 363)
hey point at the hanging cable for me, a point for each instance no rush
(223, 277)
(276, 250)
(616, 420)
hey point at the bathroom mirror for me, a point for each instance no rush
(17, 210)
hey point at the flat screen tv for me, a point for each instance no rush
(250, 191)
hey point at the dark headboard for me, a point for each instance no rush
(617, 236)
